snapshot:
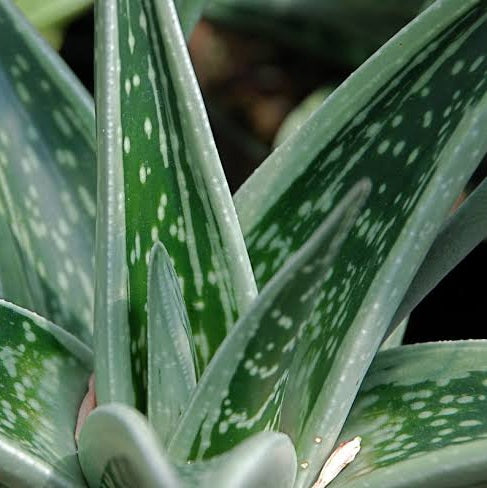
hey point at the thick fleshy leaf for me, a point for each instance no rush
(171, 361)
(189, 12)
(460, 234)
(241, 391)
(117, 446)
(160, 178)
(301, 113)
(411, 118)
(422, 416)
(395, 338)
(43, 377)
(51, 12)
(265, 460)
(47, 180)
(346, 32)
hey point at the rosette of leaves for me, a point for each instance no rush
(229, 337)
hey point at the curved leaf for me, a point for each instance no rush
(241, 391)
(47, 180)
(43, 376)
(265, 460)
(127, 454)
(171, 361)
(422, 417)
(411, 118)
(161, 179)
(460, 234)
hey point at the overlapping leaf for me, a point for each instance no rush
(160, 178)
(241, 391)
(411, 119)
(43, 376)
(171, 354)
(129, 454)
(422, 417)
(47, 180)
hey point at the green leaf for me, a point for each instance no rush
(460, 234)
(51, 12)
(160, 178)
(127, 453)
(189, 13)
(422, 417)
(301, 113)
(171, 362)
(265, 460)
(395, 338)
(345, 32)
(241, 391)
(410, 118)
(47, 180)
(43, 376)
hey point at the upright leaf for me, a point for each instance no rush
(171, 361)
(241, 391)
(47, 180)
(411, 119)
(422, 418)
(43, 375)
(189, 12)
(160, 178)
(460, 234)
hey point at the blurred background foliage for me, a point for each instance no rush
(263, 67)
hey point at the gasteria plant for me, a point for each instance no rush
(208, 373)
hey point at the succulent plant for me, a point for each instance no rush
(236, 342)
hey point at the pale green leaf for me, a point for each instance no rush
(422, 416)
(395, 338)
(47, 13)
(117, 446)
(171, 361)
(265, 460)
(47, 180)
(410, 119)
(43, 377)
(241, 391)
(160, 178)
(189, 12)
(460, 234)
(301, 113)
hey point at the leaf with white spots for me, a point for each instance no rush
(346, 32)
(241, 391)
(171, 355)
(460, 234)
(265, 460)
(413, 120)
(47, 180)
(43, 377)
(160, 179)
(422, 416)
(129, 454)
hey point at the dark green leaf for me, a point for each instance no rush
(171, 362)
(411, 119)
(460, 234)
(160, 178)
(47, 180)
(43, 377)
(422, 416)
(241, 391)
